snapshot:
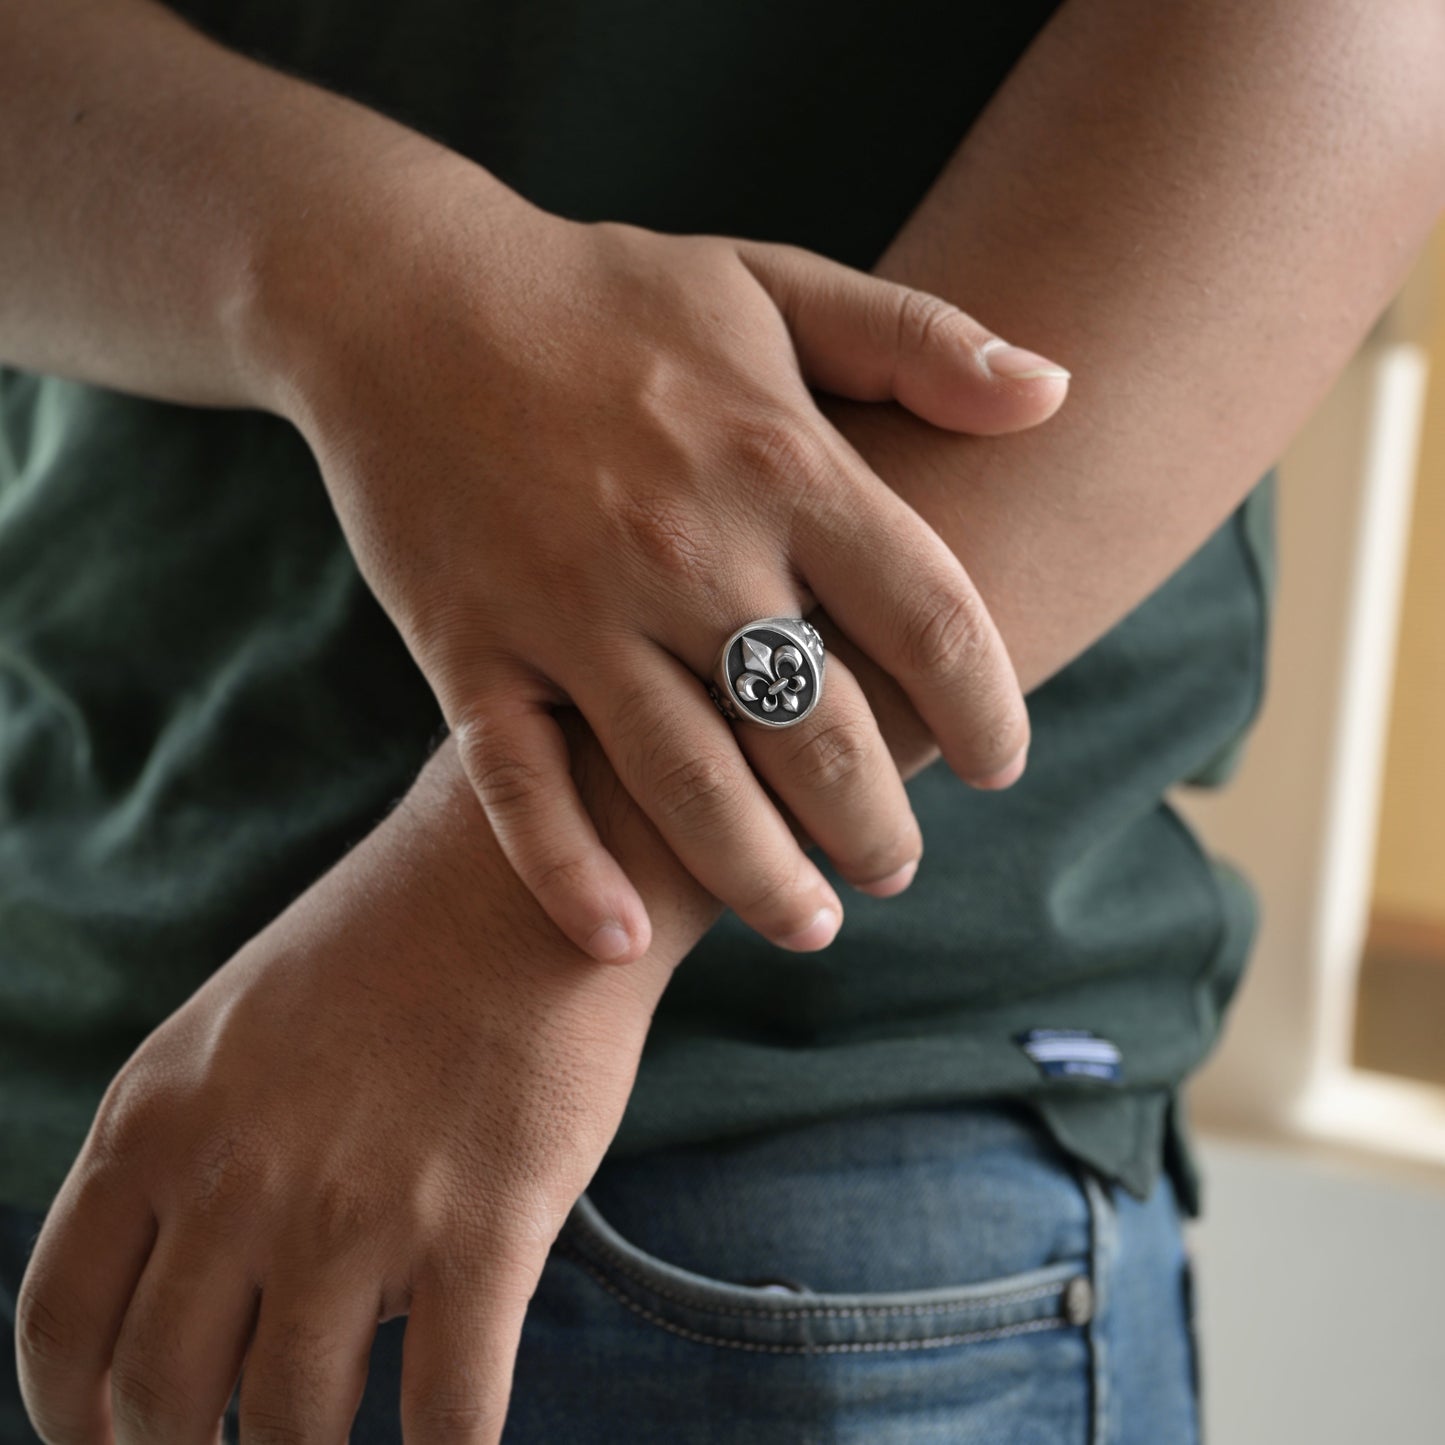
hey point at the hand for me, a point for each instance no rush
(385, 1104)
(571, 458)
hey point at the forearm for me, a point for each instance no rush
(1201, 213)
(1200, 210)
(151, 184)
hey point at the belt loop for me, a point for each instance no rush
(1104, 1250)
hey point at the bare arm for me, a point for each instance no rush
(1159, 266)
(1200, 209)
(141, 168)
(542, 447)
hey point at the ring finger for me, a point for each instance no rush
(835, 773)
(306, 1370)
(677, 756)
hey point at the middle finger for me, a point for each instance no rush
(306, 1369)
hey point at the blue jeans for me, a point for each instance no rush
(912, 1278)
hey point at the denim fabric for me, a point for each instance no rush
(911, 1278)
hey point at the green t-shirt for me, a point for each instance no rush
(201, 706)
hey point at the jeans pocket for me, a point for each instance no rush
(921, 1277)
(783, 1319)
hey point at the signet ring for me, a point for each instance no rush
(770, 672)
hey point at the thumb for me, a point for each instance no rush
(869, 339)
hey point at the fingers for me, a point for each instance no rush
(676, 755)
(179, 1351)
(837, 777)
(863, 337)
(306, 1369)
(516, 757)
(873, 340)
(458, 1353)
(894, 587)
(73, 1300)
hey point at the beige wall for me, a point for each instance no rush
(1319, 1292)
(1410, 866)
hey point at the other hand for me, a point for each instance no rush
(385, 1104)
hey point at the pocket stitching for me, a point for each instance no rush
(622, 1267)
(845, 1347)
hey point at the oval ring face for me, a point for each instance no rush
(773, 671)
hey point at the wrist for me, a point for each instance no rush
(681, 910)
(333, 258)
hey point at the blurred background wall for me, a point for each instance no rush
(1321, 1257)
(1410, 866)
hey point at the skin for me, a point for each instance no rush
(672, 495)
(599, 558)
(415, 1154)
(1200, 212)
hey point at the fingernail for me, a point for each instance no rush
(610, 941)
(1013, 363)
(819, 932)
(895, 882)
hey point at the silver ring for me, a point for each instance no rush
(770, 672)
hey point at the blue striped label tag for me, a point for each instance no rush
(1071, 1053)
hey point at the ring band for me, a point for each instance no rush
(770, 672)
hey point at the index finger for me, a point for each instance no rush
(95, 1243)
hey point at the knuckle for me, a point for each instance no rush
(133, 1113)
(264, 1425)
(112, 1133)
(944, 634)
(696, 792)
(668, 535)
(232, 1176)
(777, 447)
(570, 875)
(344, 1214)
(442, 1413)
(834, 757)
(783, 901)
(55, 1429)
(635, 729)
(43, 1334)
(130, 1121)
(923, 319)
(111, 1145)
(505, 783)
(145, 1397)
(502, 780)
(289, 1374)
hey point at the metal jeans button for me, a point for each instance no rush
(1079, 1300)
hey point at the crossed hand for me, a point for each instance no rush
(568, 478)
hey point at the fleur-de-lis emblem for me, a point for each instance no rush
(772, 675)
